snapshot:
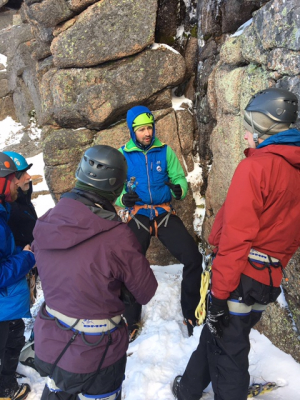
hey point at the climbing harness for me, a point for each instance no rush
(239, 308)
(200, 312)
(102, 328)
(267, 261)
(106, 396)
(83, 326)
(153, 214)
(83, 396)
(235, 307)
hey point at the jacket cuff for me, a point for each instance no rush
(218, 302)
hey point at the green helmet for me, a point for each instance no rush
(271, 111)
(102, 167)
(141, 120)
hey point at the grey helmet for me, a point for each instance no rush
(102, 167)
(270, 111)
(7, 166)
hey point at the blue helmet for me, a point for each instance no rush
(19, 161)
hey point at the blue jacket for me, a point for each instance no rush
(14, 265)
(151, 167)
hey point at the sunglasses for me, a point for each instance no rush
(18, 174)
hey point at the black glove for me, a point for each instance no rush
(176, 190)
(190, 325)
(129, 199)
(217, 316)
(126, 296)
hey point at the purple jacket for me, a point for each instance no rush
(83, 259)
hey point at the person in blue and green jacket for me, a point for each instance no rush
(155, 176)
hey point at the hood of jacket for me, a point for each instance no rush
(67, 224)
(285, 144)
(131, 116)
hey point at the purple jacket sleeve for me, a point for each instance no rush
(132, 268)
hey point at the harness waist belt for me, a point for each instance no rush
(237, 308)
(261, 258)
(86, 325)
(107, 396)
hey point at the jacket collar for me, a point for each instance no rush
(131, 146)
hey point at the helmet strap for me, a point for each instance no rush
(255, 134)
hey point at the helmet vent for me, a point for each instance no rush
(91, 162)
(279, 111)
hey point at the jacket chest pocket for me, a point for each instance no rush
(158, 170)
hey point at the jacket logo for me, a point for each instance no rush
(158, 168)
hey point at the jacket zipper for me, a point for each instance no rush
(148, 178)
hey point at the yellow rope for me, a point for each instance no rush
(200, 312)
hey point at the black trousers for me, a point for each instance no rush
(224, 362)
(182, 246)
(107, 380)
(12, 341)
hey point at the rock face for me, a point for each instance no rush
(82, 64)
(260, 56)
(87, 40)
(96, 97)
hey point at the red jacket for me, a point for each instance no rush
(261, 211)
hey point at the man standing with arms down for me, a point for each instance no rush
(14, 291)
(256, 232)
(159, 176)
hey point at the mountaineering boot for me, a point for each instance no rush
(133, 334)
(29, 362)
(18, 375)
(18, 392)
(260, 388)
(175, 387)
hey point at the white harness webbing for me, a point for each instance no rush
(237, 308)
(85, 325)
(261, 258)
(108, 396)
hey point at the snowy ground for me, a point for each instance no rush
(163, 348)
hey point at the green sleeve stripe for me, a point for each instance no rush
(176, 172)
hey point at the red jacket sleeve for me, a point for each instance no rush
(236, 227)
(215, 234)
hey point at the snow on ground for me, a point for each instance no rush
(41, 203)
(3, 61)
(163, 348)
(11, 132)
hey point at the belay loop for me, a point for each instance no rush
(153, 208)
